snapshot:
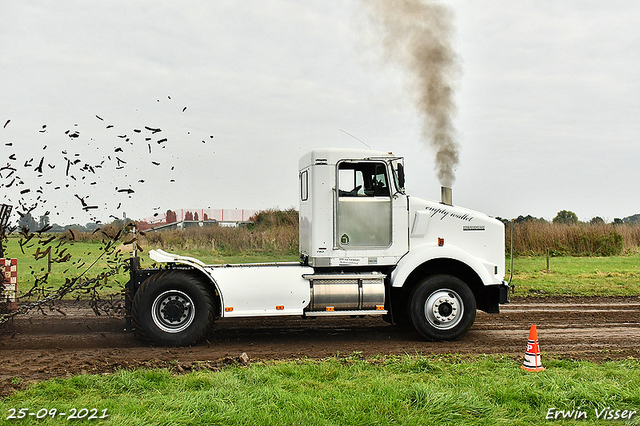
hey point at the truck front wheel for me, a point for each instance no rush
(173, 308)
(442, 307)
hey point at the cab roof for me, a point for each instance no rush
(333, 155)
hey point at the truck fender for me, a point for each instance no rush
(162, 256)
(417, 257)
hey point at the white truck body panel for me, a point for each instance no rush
(464, 234)
(252, 289)
(262, 290)
(162, 256)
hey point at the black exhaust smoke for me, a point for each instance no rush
(416, 34)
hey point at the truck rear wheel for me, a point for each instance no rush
(173, 308)
(442, 307)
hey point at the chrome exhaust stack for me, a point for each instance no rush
(445, 196)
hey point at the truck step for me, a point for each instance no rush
(345, 313)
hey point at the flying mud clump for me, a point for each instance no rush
(75, 171)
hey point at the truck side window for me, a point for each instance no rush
(365, 179)
(304, 185)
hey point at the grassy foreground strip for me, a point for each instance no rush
(444, 390)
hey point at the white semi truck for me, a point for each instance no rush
(366, 248)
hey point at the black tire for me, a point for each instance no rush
(442, 307)
(173, 308)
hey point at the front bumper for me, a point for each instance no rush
(504, 293)
(490, 297)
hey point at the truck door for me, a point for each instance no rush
(364, 205)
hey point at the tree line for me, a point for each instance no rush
(43, 224)
(567, 217)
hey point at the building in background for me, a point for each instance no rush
(183, 218)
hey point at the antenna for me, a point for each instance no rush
(360, 140)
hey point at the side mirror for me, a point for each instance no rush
(401, 175)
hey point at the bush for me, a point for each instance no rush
(273, 232)
(275, 218)
(599, 239)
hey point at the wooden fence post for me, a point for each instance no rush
(548, 260)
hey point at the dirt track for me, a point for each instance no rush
(38, 347)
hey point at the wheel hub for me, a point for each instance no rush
(444, 309)
(174, 310)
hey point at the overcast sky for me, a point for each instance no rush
(548, 102)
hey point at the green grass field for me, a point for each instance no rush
(83, 255)
(408, 390)
(577, 276)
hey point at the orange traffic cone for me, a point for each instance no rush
(532, 360)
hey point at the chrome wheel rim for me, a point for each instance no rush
(173, 311)
(443, 309)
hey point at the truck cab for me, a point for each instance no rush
(366, 248)
(353, 210)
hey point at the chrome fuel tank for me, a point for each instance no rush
(352, 291)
